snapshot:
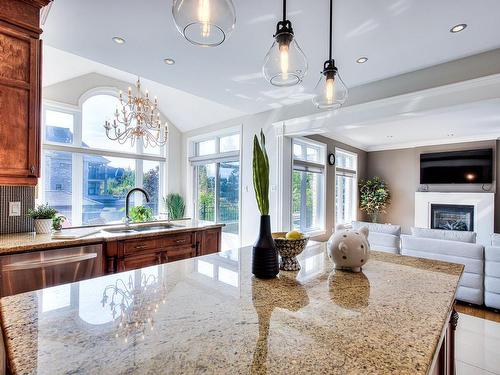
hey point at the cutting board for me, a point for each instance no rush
(68, 234)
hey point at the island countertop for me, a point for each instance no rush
(210, 315)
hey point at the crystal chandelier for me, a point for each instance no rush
(138, 117)
(134, 306)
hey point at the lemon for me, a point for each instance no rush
(293, 235)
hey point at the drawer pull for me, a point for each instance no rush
(180, 241)
(141, 246)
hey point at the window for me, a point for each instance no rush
(216, 187)
(346, 182)
(308, 186)
(86, 176)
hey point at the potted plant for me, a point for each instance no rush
(42, 216)
(265, 263)
(374, 197)
(58, 221)
(141, 214)
(174, 203)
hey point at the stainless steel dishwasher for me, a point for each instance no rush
(36, 270)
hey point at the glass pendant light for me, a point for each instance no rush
(285, 63)
(206, 23)
(331, 91)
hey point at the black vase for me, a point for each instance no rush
(265, 264)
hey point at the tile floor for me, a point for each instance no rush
(477, 346)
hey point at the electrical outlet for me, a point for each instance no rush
(14, 208)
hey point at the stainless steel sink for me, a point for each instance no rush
(144, 228)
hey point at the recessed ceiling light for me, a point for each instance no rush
(118, 40)
(390, 136)
(362, 60)
(169, 61)
(458, 28)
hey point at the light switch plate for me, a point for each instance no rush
(14, 208)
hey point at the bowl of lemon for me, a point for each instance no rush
(289, 245)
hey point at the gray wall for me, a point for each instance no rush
(401, 170)
(330, 180)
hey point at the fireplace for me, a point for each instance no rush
(452, 217)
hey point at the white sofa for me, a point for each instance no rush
(492, 273)
(454, 247)
(382, 237)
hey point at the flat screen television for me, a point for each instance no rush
(457, 167)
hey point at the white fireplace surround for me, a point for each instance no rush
(484, 210)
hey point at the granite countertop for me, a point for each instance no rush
(210, 315)
(24, 242)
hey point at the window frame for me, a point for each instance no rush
(347, 172)
(78, 152)
(313, 166)
(195, 160)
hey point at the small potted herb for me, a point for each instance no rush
(58, 221)
(42, 216)
(175, 206)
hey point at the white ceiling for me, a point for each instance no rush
(472, 122)
(396, 35)
(184, 110)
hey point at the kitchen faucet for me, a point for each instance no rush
(127, 203)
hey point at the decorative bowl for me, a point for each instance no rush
(288, 250)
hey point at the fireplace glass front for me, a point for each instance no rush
(452, 217)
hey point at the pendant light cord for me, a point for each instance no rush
(331, 28)
(284, 10)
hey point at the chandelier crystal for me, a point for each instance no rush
(138, 118)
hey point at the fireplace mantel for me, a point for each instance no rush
(484, 210)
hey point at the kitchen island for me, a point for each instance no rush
(210, 315)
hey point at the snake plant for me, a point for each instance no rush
(260, 167)
(175, 206)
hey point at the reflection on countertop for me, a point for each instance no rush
(21, 242)
(210, 315)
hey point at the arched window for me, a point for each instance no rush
(86, 175)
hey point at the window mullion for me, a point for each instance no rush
(77, 189)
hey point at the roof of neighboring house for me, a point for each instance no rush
(63, 198)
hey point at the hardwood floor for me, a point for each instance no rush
(478, 312)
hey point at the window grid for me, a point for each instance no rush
(80, 194)
(346, 182)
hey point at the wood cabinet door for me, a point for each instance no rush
(210, 241)
(180, 252)
(20, 107)
(139, 261)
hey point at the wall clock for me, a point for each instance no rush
(331, 159)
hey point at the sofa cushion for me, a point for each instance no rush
(492, 284)
(444, 247)
(379, 228)
(475, 266)
(383, 239)
(492, 300)
(495, 239)
(470, 295)
(449, 235)
(492, 253)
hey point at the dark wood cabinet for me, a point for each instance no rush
(210, 241)
(125, 255)
(20, 91)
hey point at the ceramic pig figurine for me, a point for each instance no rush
(348, 248)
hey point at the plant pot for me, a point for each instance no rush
(43, 226)
(265, 264)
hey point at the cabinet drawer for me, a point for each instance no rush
(140, 261)
(181, 239)
(133, 247)
(180, 252)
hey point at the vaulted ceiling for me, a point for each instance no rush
(397, 36)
